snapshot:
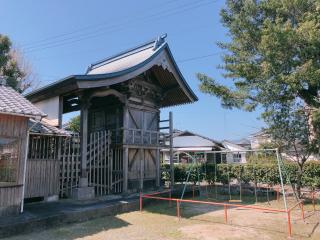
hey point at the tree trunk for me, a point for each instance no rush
(310, 116)
(299, 175)
(299, 179)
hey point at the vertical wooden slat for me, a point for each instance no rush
(72, 166)
(77, 151)
(100, 162)
(94, 159)
(63, 166)
(111, 169)
(90, 160)
(105, 163)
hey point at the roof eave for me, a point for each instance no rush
(182, 82)
(23, 115)
(193, 97)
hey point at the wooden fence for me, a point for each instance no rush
(70, 159)
(104, 164)
(53, 166)
(43, 167)
(117, 169)
(99, 162)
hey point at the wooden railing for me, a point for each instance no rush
(133, 136)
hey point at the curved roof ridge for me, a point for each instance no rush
(154, 44)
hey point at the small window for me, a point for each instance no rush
(237, 157)
(9, 152)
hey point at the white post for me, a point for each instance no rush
(171, 150)
(281, 180)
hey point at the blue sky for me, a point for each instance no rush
(61, 38)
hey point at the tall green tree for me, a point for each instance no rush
(74, 124)
(13, 68)
(273, 55)
(273, 62)
(289, 128)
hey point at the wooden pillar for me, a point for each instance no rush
(60, 112)
(158, 168)
(84, 141)
(171, 150)
(125, 169)
(125, 155)
(141, 168)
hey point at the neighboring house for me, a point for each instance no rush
(15, 112)
(237, 154)
(244, 142)
(186, 143)
(262, 137)
(259, 138)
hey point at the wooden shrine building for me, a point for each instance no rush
(15, 112)
(119, 99)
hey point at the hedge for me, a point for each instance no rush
(261, 173)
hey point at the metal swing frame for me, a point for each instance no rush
(228, 205)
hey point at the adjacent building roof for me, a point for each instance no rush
(13, 103)
(43, 128)
(187, 139)
(242, 142)
(154, 55)
(233, 146)
(261, 133)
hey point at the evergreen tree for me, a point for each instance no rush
(273, 61)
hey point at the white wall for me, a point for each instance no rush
(50, 107)
(231, 157)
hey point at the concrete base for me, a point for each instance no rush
(9, 211)
(40, 216)
(52, 198)
(83, 193)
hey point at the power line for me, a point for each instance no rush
(199, 57)
(127, 44)
(95, 34)
(34, 43)
(113, 28)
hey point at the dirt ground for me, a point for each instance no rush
(198, 222)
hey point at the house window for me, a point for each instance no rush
(237, 157)
(9, 151)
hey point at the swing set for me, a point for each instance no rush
(232, 202)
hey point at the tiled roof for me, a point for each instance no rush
(127, 59)
(232, 146)
(46, 129)
(154, 56)
(11, 102)
(191, 139)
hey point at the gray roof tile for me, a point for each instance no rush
(11, 102)
(46, 129)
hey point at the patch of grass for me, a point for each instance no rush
(159, 221)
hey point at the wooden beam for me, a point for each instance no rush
(141, 168)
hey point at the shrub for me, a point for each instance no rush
(261, 173)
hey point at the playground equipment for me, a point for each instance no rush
(231, 201)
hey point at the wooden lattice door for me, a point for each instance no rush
(99, 162)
